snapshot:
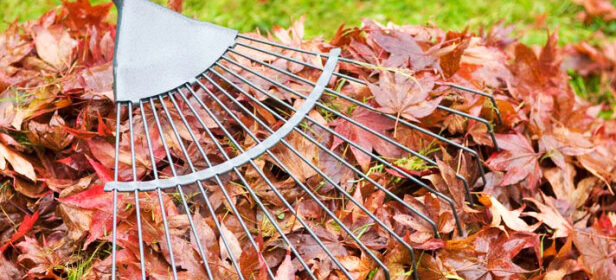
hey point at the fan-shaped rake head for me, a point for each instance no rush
(264, 147)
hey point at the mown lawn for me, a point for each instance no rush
(324, 16)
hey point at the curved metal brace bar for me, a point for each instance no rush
(243, 158)
(414, 153)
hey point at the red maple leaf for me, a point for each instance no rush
(25, 227)
(518, 159)
(364, 138)
(103, 172)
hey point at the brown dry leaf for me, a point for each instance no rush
(234, 244)
(175, 5)
(597, 253)
(562, 142)
(286, 270)
(55, 46)
(599, 8)
(207, 236)
(77, 220)
(450, 62)
(292, 162)
(562, 182)
(358, 267)
(312, 252)
(397, 259)
(489, 254)
(29, 188)
(454, 187)
(404, 50)
(404, 96)
(42, 259)
(518, 159)
(52, 135)
(19, 163)
(562, 264)
(510, 218)
(13, 47)
(487, 64)
(600, 163)
(551, 217)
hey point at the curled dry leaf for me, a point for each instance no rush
(55, 46)
(511, 218)
(551, 217)
(52, 135)
(286, 270)
(234, 248)
(19, 163)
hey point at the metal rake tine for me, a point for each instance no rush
(136, 192)
(244, 182)
(219, 182)
(328, 212)
(328, 151)
(469, 116)
(298, 61)
(368, 107)
(115, 192)
(379, 186)
(338, 187)
(278, 194)
(351, 61)
(158, 191)
(362, 126)
(254, 195)
(491, 97)
(389, 165)
(340, 75)
(180, 191)
(446, 198)
(440, 107)
(210, 208)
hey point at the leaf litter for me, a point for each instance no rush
(547, 211)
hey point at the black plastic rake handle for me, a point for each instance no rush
(245, 157)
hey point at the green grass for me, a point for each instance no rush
(324, 16)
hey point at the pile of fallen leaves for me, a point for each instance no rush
(545, 212)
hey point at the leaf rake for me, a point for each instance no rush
(208, 110)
